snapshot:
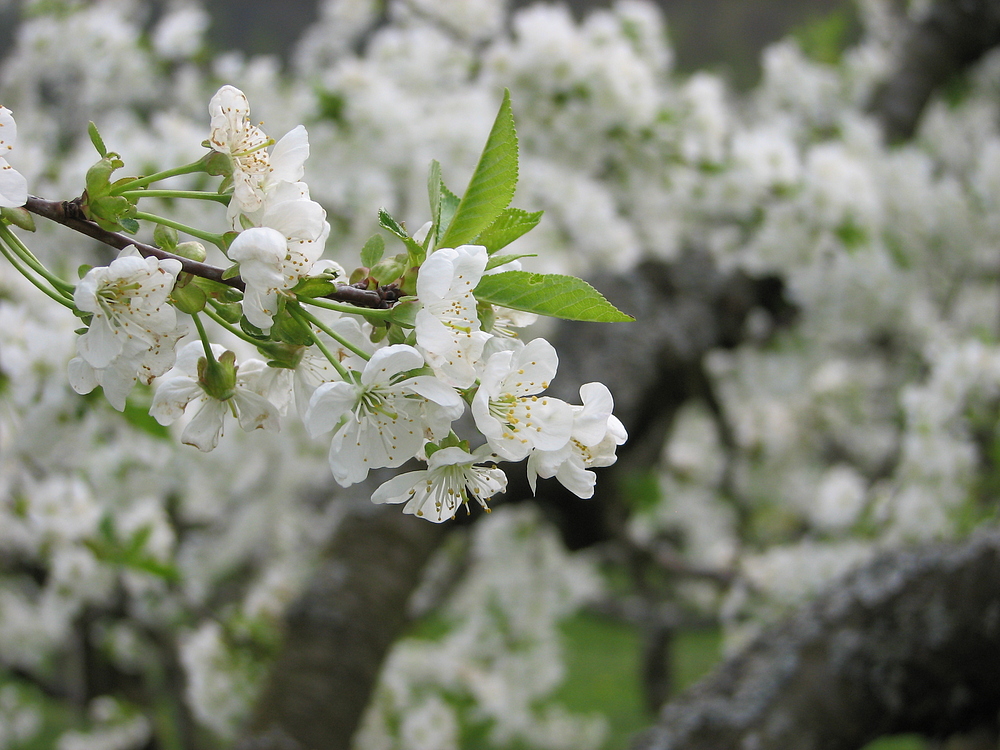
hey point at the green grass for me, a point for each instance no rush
(602, 661)
(897, 742)
(603, 671)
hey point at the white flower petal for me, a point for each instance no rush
(289, 155)
(205, 428)
(328, 404)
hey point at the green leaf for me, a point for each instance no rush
(371, 253)
(491, 188)
(444, 203)
(95, 138)
(549, 294)
(414, 250)
(449, 205)
(434, 185)
(499, 260)
(510, 225)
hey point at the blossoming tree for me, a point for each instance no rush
(812, 378)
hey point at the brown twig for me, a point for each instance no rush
(69, 214)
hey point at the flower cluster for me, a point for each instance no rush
(386, 380)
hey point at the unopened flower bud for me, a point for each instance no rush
(191, 249)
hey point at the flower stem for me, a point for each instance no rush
(18, 264)
(191, 194)
(301, 314)
(29, 259)
(231, 328)
(329, 332)
(139, 182)
(215, 239)
(368, 312)
(204, 337)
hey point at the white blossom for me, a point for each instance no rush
(255, 170)
(137, 361)
(508, 410)
(13, 186)
(595, 435)
(447, 325)
(275, 256)
(128, 300)
(314, 369)
(451, 477)
(182, 386)
(384, 418)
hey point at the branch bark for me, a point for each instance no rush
(950, 37)
(909, 643)
(341, 629)
(69, 214)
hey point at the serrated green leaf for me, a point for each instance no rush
(434, 185)
(491, 188)
(498, 260)
(549, 294)
(414, 249)
(95, 138)
(371, 253)
(511, 224)
(449, 205)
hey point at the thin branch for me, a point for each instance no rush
(69, 214)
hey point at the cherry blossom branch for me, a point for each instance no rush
(70, 215)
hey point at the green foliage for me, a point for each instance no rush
(95, 138)
(129, 552)
(372, 251)
(414, 249)
(111, 212)
(897, 742)
(510, 225)
(549, 294)
(389, 269)
(604, 659)
(826, 38)
(642, 490)
(491, 187)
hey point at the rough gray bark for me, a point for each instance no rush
(354, 608)
(909, 643)
(950, 37)
(340, 630)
